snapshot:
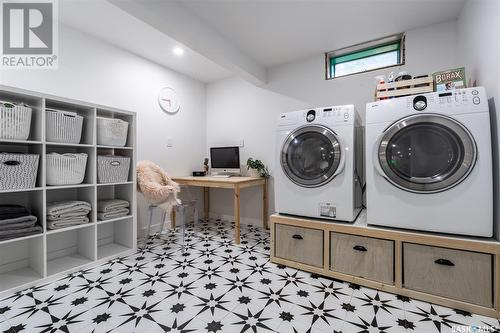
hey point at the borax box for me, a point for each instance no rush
(449, 79)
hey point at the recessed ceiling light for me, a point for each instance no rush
(178, 51)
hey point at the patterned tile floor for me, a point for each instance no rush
(216, 286)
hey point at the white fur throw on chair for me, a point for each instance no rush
(156, 186)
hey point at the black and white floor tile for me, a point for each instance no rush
(215, 286)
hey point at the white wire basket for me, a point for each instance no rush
(112, 169)
(66, 169)
(111, 132)
(63, 126)
(18, 171)
(15, 122)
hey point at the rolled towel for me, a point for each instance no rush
(104, 206)
(51, 225)
(113, 214)
(9, 234)
(61, 207)
(13, 211)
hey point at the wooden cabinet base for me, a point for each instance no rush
(488, 272)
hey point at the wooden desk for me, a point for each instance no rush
(235, 183)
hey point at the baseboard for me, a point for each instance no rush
(154, 228)
(243, 220)
(141, 231)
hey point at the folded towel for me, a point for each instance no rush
(9, 234)
(16, 220)
(19, 225)
(61, 207)
(76, 213)
(113, 214)
(12, 211)
(104, 206)
(66, 223)
(59, 219)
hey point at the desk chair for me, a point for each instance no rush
(180, 211)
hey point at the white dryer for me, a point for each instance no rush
(319, 163)
(429, 164)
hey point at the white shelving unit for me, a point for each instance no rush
(29, 260)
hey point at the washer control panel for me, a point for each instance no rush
(459, 97)
(337, 114)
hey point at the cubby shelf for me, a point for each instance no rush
(114, 220)
(26, 260)
(112, 184)
(21, 189)
(27, 142)
(114, 238)
(58, 187)
(59, 144)
(75, 227)
(13, 240)
(114, 147)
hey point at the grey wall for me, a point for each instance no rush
(478, 36)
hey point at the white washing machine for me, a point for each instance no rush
(429, 164)
(319, 163)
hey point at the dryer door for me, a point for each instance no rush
(311, 155)
(426, 153)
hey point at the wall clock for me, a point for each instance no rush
(168, 100)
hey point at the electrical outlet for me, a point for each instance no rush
(170, 142)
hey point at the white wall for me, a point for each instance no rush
(238, 110)
(478, 33)
(94, 71)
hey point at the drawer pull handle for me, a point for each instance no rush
(11, 163)
(297, 237)
(360, 248)
(444, 262)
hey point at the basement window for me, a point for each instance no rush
(365, 57)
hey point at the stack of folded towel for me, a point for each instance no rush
(67, 213)
(16, 221)
(112, 209)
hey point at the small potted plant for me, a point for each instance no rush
(257, 168)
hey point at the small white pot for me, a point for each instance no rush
(254, 173)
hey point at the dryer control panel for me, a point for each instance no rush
(453, 102)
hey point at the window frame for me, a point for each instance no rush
(372, 48)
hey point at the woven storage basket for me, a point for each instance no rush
(112, 169)
(15, 122)
(111, 132)
(66, 169)
(62, 126)
(18, 170)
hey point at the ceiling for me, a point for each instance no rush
(111, 24)
(245, 37)
(278, 31)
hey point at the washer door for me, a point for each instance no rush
(426, 153)
(311, 155)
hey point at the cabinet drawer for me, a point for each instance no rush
(299, 244)
(462, 275)
(370, 258)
